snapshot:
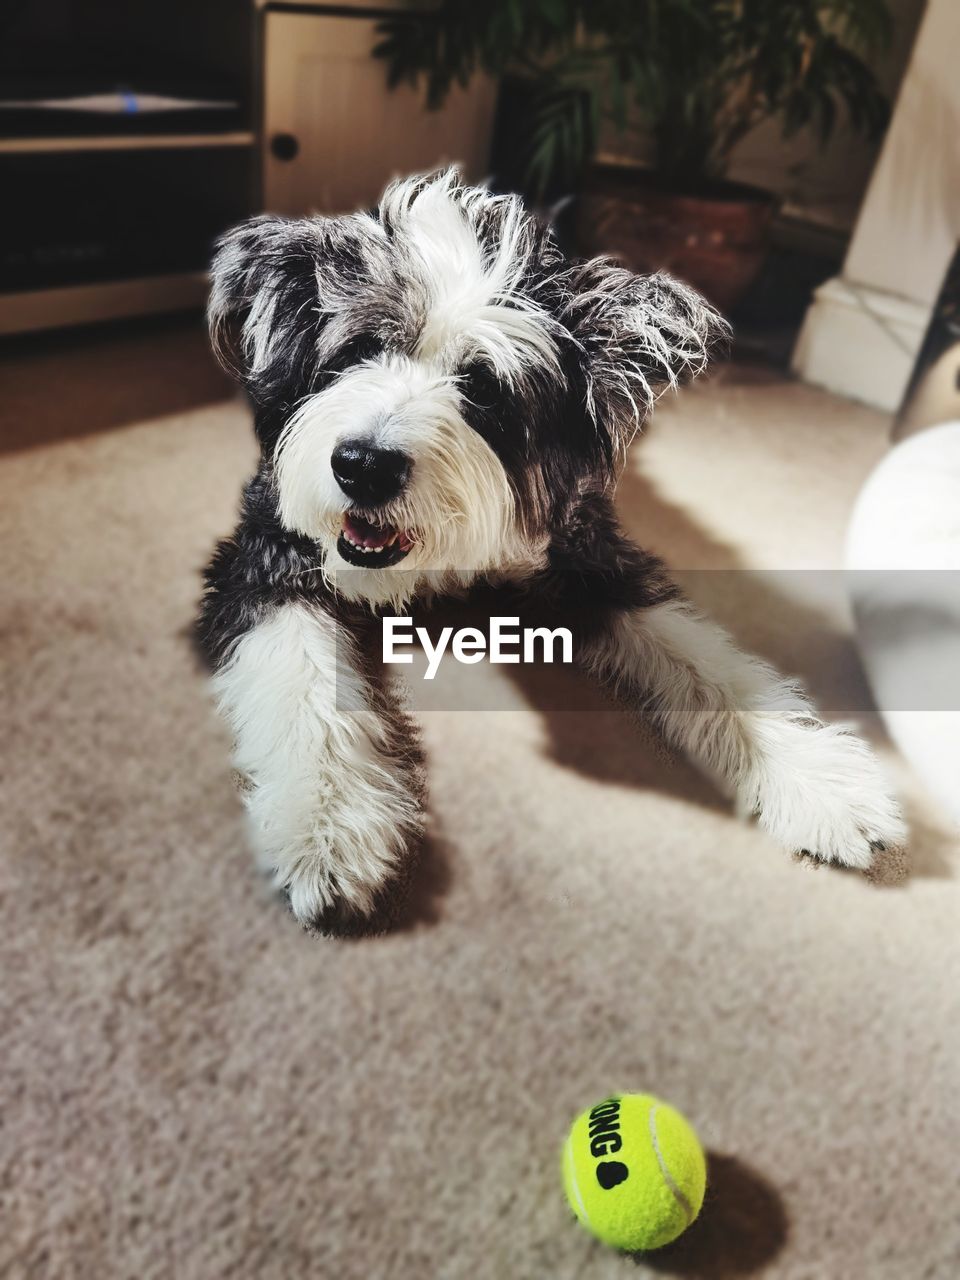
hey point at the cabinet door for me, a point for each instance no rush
(334, 132)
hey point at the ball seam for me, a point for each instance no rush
(582, 1215)
(668, 1177)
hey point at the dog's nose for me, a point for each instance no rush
(369, 475)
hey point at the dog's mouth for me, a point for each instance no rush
(372, 546)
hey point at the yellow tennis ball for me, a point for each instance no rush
(634, 1172)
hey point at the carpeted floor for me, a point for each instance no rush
(194, 1088)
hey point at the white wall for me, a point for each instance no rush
(909, 226)
(863, 332)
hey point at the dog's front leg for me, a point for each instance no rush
(331, 780)
(813, 786)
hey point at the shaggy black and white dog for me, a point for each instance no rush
(443, 402)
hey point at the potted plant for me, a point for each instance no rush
(693, 76)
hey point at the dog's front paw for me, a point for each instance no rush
(818, 789)
(341, 857)
(343, 885)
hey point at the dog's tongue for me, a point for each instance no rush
(377, 536)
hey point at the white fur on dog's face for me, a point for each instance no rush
(458, 507)
(467, 296)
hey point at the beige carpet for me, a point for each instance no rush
(194, 1088)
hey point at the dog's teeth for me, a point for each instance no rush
(377, 548)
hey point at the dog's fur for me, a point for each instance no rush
(449, 329)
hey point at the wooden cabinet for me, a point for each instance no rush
(334, 133)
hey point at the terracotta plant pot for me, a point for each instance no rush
(715, 237)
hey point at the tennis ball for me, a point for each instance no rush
(634, 1172)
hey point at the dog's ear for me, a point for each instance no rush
(638, 334)
(259, 272)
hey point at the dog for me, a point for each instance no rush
(443, 402)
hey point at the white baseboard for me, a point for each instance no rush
(860, 342)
